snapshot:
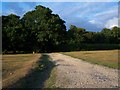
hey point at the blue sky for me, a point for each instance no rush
(93, 16)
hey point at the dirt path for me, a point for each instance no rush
(75, 73)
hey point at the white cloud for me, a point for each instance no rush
(81, 9)
(92, 21)
(96, 23)
(103, 16)
(71, 10)
(112, 10)
(11, 11)
(111, 23)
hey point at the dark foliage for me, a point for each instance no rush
(41, 31)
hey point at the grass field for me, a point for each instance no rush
(28, 71)
(37, 70)
(17, 66)
(107, 58)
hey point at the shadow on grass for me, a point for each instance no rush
(36, 77)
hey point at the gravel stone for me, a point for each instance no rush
(76, 73)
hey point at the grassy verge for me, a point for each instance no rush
(37, 75)
(50, 83)
(107, 58)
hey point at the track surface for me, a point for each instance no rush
(75, 73)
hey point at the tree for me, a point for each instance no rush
(98, 37)
(115, 34)
(5, 43)
(75, 37)
(88, 36)
(40, 30)
(12, 32)
(75, 34)
(46, 30)
(107, 34)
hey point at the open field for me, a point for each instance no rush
(17, 66)
(55, 70)
(27, 71)
(107, 58)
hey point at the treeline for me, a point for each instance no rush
(80, 39)
(42, 31)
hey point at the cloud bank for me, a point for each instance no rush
(92, 16)
(111, 23)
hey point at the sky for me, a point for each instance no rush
(93, 16)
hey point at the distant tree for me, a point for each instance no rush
(75, 34)
(115, 34)
(88, 36)
(107, 34)
(98, 37)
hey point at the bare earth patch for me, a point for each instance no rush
(75, 73)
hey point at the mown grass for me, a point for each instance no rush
(12, 63)
(107, 58)
(16, 66)
(36, 76)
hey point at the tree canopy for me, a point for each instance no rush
(40, 30)
(37, 30)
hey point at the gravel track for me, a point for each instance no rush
(75, 73)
